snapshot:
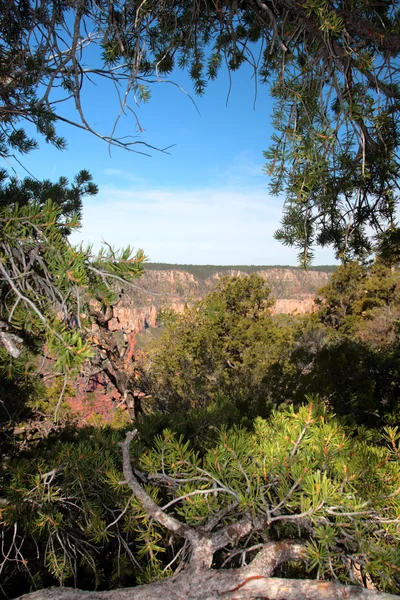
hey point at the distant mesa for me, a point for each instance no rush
(172, 287)
(166, 287)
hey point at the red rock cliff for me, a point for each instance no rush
(172, 289)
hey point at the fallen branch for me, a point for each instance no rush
(238, 584)
(198, 581)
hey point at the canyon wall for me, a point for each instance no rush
(172, 289)
(95, 399)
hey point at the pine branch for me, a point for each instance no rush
(153, 510)
(274, 554)
(203, 543)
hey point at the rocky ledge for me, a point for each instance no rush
(172, 289)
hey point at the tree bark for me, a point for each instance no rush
(237, 584)
(198, 581)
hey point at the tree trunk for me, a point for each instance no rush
(237, 584)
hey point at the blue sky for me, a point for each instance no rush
(206, 202)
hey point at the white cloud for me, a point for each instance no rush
(208, 225)
(127, 175)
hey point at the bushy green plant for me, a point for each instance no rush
(61, 513)
(302, 475)
(222, 347)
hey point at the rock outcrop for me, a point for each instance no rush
(172, 289)
(96, 399)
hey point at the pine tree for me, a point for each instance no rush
(298, 507)
(52, 291)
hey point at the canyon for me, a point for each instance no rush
(172, 287)
(165, 288)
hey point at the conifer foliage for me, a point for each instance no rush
(47, 285)
(214, 356)
(298, 506)
(50, 290)
(332, 68)
(302, 476)
(221, 347)
(297, 502)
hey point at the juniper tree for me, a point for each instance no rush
(348, 350)
(357, 295)
(220, 349)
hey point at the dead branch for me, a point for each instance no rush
(238, 584)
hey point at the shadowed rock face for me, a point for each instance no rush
(172, 289)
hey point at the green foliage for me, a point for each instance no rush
(21, 390)
(53, 528)
(302, 475)
(200, 424)
(221, 348)
(358, 295)
(65, 517)
(48, 288)
(45, 280)
(33, 192)
(347, 352)
(355, 379)
(49, 398)
(332, 70)
(62, 514)
(305, 476)
(340, 295)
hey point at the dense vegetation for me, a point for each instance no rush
(266, 459)
(229, 346)
(252, 398)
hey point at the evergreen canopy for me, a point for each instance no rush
(299, 499)
(50, 290)
(332, 68)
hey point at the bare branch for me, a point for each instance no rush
(238, 584)
(274, 554)
(152, 509)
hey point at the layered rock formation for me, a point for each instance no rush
(174, 288)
